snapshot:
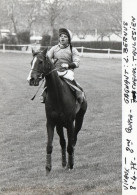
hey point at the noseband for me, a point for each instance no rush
(43, 72)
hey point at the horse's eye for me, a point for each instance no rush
(40, 61)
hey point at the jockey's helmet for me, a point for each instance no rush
(66, 32)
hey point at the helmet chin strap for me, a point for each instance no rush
(63, 46)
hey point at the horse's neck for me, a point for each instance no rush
(54, 86)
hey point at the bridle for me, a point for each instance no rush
(43, 72)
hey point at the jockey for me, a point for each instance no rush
(66, 59)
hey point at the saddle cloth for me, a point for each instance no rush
(67, 74)
(68, 77)
(71, 84)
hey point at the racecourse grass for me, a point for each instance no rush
(23, 137)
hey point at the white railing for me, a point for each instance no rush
(15, 48)
(28, 48)
(108, 51)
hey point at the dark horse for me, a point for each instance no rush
(61, 107)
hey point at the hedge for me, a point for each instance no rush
(99, 44)
(94, 44)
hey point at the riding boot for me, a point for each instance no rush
(44, 94)
(79, 96)
(80, 93)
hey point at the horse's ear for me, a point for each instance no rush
(45, 51)
(49, 59)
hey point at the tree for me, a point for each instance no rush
(97, 17)
(110, 19)
(13, 12)
(19, 15)
(115, 17)
(29, 13)
(50, 12)
(46, 16)
(3, 15)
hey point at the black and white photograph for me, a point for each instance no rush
(61, 98)
(129, 108)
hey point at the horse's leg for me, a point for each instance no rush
(79, 120)
(70, 148)
(50, 134)
(63, 144)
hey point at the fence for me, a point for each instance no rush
(84, 51)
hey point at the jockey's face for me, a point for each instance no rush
(63, 39)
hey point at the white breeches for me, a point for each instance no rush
(68, 74)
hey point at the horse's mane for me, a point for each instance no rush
(43, 52)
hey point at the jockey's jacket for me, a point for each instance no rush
(64, 55)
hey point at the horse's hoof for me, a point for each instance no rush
(48, 169)
(64, 164)
(69, 167)
(70, 161)
(70, 170)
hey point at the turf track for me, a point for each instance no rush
(23, 134)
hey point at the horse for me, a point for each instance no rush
(61, 108)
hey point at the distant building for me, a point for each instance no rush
(35, 39)
(4, 33)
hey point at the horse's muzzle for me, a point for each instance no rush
(33, 82)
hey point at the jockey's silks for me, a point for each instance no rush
(64, 55)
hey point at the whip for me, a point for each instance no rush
(37, 90)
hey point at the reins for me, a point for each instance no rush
(51, 71)
(37, 90)
(45, 74)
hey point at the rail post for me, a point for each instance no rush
(82, 48)
(109, 53)
(3, 48)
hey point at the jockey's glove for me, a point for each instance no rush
(71, 65)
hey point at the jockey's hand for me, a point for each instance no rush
(64, 65)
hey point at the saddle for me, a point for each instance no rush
(74, 86)
(76, 89)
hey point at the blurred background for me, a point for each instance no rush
(94, 23)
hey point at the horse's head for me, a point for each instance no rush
(40, 66)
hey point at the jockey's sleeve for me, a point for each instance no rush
(75, 59)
